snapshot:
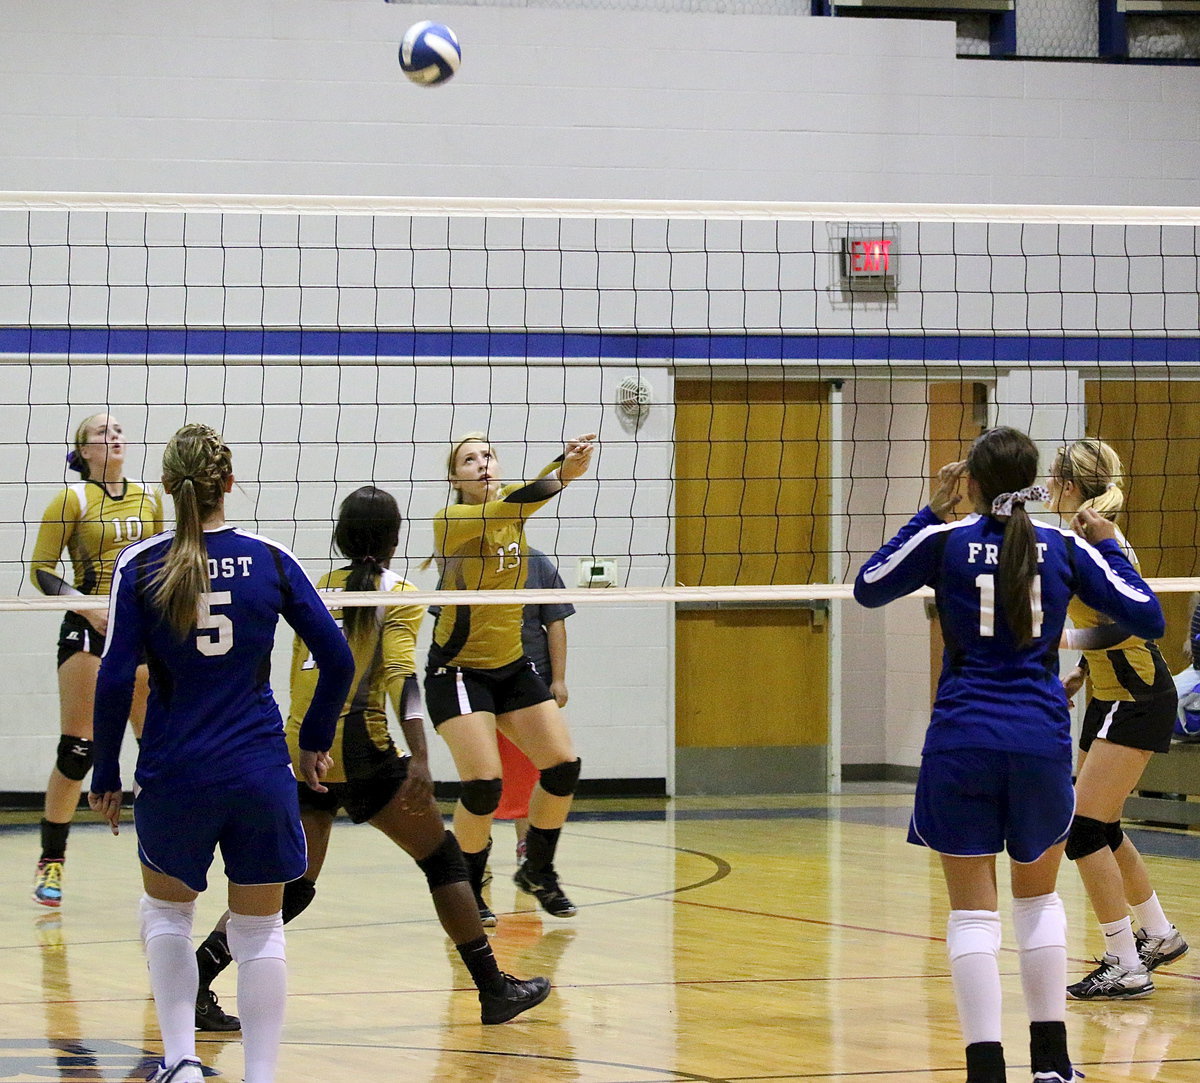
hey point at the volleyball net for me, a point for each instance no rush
(773, 385)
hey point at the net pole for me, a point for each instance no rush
(837, 504)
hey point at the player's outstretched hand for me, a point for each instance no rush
(577, 457)
(1093, 527)
(944, 496)
(108, 806)
(314, 766)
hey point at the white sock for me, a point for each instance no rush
(1040, 925)
(174, 979)
(1150, 917)
(257, 946)
(1119, 941)
(973, 943)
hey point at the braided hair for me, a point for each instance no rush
(196, 469)
(367, 533)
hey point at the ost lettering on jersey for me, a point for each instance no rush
(228, 567)
(990, 552)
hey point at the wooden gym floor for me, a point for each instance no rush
(742, 940)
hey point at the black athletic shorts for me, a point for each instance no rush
(1141, 723)
(362, 798)
(76, 635)
(451, 691)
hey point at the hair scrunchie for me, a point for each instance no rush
(75, 461)
(1004, 503)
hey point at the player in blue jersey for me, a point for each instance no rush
(201, 604)
(369, 778)
(1130, 715)
(996, 765)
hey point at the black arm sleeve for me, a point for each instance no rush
(535, 491)
(49, 583)
(1098, 639)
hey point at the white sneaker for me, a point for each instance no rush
(1111, 981)
(1156, 951)
(187, 1070)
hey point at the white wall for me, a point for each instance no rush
(300, 453)
(304, 96)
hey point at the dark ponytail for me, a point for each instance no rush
(1004, 461)
(367, 533)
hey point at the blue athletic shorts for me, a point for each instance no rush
(254, 820)
(971, 802)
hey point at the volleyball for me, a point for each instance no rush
(429, 53)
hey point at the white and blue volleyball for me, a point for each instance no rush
(429, 53)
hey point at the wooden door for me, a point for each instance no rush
(957, 415)
(1154, 425)
(752, 507)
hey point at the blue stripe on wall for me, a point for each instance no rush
(242, 343)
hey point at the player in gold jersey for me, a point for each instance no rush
(93, 519)
(478, 678)
(1130, 715)
(369, 778)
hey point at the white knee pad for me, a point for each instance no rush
(972, 932)
(162, 918)
(253, 937)
(1040, 922)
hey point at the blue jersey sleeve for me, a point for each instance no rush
(543, 575)
(1195, 636)
(1106, 581)
(906, 563)
(114, 685)
(306, 613)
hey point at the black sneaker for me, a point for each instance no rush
(544, 886)
(516, 997)
(486, 916)
(1111, 981)
(209, 1015)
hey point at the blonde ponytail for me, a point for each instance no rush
(196, 467)
(1096, 469)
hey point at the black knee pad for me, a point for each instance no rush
(1114, 835)
(561, 779)
(481, 796)
(445, 865)
(296, 897)
(74, 758)
(1087, 837)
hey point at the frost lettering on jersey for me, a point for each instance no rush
(229, 567)
(989, 553)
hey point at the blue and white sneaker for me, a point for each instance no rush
(187, 1070)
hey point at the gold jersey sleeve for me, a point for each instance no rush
(1102, 674)
(93, 526)
(482, 547)
(382, 659)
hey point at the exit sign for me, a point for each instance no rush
(871, 258)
